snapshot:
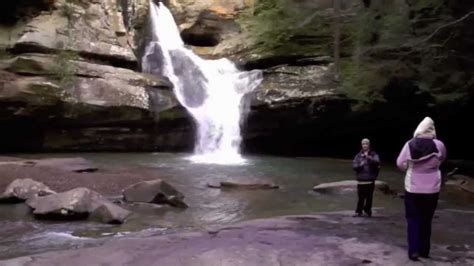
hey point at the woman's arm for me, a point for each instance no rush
(403, 157)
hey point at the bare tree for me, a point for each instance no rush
(337, 37)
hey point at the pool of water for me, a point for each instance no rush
(20, 234)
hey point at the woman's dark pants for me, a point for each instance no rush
(419, 211)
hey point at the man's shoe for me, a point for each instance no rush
(357, 214)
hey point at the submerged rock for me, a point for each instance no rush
(23, 189)
(76, 164)
(154, 191)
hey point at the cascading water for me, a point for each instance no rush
(211, 90)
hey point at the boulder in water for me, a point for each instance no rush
(23, 189)
(154, 191)
(110, 213)
(73, 204)
(77, 204)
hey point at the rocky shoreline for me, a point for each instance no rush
(292, 240)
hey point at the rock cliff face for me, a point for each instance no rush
(401, 60)
(68, 81)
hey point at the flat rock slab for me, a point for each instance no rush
(291, 240)
(348, 185)
(76, 164)
(242, 185)
(463, 183)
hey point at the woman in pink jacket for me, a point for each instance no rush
(421, 158)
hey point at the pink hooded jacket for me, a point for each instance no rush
(422, 173)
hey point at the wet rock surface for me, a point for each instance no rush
(327, 238)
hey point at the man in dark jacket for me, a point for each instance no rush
(366, 164)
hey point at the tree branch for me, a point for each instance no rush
(445, 26)
(413, 47)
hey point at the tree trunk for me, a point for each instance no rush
(337, 37)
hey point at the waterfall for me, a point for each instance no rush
(211, 90)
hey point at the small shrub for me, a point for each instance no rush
(63, 68)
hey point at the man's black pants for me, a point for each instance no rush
(365, 192)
